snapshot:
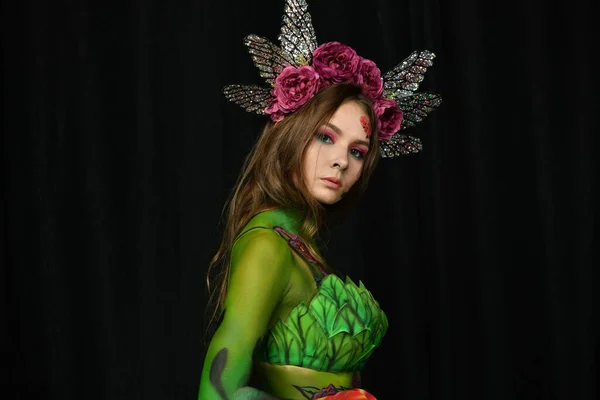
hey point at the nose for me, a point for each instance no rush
(340, 160)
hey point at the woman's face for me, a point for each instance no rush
(335, 157)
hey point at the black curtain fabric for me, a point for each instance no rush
(119, 151)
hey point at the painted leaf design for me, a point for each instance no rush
(339, 352)
(323, 309)
(333, 288)
(363, 349)
(306, 326)
(278, 344)
(293, 330)
(337, 331)
(380, 328)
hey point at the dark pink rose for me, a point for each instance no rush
(369, 77)
(274, 112)
(389, 118)
(293, 87)
(336, 62)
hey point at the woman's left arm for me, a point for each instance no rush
(259, 277)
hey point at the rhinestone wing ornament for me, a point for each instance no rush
(401, 84)
(298, 41)
(297, 45)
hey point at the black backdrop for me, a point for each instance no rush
(119, 151)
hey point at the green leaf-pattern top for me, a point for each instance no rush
(336, 332)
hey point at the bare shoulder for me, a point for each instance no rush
(262, 248)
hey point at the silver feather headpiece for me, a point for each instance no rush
(299, 67)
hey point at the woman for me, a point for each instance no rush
(290, 327)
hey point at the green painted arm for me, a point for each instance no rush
(260, 273)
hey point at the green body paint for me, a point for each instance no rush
(317, 332)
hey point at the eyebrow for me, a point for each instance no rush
(339, 132)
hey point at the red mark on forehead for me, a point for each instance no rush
(364, 121)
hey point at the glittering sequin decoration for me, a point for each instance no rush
(297, 35)
(267, 57)
(250, 97)
(400, 145)
(403, 80)
(416, 107)
(297, 43)
(365, 125)
(400, 84)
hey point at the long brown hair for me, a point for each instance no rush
(272, 177)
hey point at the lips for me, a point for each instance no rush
(332, 182)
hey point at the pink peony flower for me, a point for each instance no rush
(293, 87)
(389, 118)
(274, 113)
(336, 62)
(369, 77)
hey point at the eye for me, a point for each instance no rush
(358, 154)
(324, 137)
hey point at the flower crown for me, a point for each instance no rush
(299, 68)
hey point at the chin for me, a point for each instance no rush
(328, 202)
(327, 198)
